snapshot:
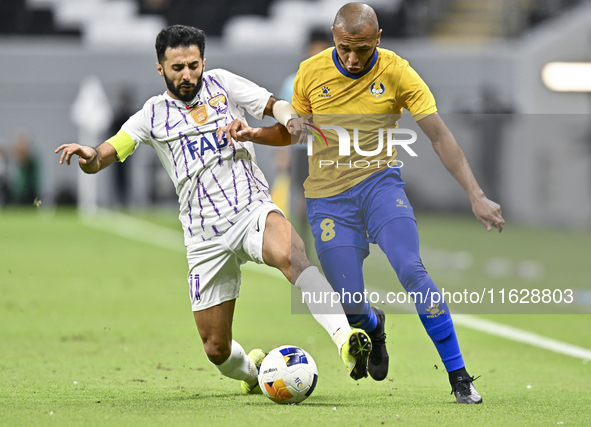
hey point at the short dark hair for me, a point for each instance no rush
(179, 35)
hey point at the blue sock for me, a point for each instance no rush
(399, 239)
(366, 321)
(343, 268)
(439, 326)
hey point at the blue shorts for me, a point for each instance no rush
(356, 216)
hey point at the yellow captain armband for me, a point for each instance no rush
(123, 144)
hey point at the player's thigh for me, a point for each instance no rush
(399, 240)
(276, 246)
(336, 222)
(263, 231)
(383, 200)
(271, 239)
(277, 240)
(282, 245)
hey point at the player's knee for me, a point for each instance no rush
(217, 351)
(293, 258)
(411, 274)
(282, 260)
(285, 257)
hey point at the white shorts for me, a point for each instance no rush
(214, 265)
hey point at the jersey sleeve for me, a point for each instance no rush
(246, 94)
(135, 131)
(300, 100)
(414, 94)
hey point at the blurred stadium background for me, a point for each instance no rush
(478, 57)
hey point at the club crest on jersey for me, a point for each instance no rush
(377, 88)
(219, 103)
(199, 114)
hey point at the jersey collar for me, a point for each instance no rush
(345, 73)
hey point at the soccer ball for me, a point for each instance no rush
(288, 374)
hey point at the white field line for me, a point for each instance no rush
(147, 232)
(135, 229)
(522, 336)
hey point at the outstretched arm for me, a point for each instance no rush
(91, 160)
(286, 115)
(278, 135)
(238, 130)
(452, 157)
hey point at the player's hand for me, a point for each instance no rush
(86, 154)
(488, 213)
(237, 130)
(297, 129)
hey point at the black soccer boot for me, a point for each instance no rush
(462, 387)
(378, 358)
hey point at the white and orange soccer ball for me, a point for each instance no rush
(288, 374)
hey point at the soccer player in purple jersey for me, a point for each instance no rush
(227, 214)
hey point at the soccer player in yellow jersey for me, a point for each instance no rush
(349, 207)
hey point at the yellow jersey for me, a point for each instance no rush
(365, 104)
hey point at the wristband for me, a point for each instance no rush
(283, 112)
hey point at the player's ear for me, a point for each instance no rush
(378, 38)
(160, 69)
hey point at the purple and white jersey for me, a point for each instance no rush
(216, 182)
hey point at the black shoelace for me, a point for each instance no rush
(463, 386)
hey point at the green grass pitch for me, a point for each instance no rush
(96, 329)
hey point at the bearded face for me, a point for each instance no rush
(185, 90)
(182, 69)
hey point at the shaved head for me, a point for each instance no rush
(353, 18)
